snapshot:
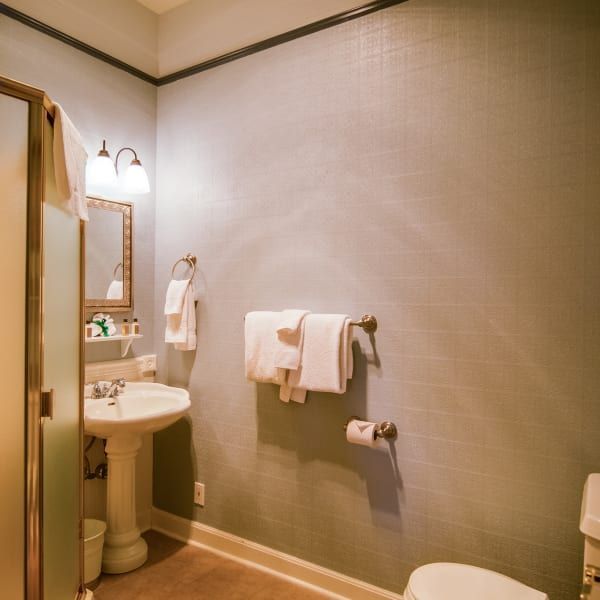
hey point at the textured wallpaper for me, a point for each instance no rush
(436, 164)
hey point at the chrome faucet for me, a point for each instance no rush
(103, 390)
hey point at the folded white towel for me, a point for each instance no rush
(327, 361)
(115, 290)
(260, 346)
(290, 334)
(181, 315)
(70, 158)
(290, 320)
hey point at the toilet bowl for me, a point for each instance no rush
(452, 581)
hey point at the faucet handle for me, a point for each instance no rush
(115, 386)
(98, 389)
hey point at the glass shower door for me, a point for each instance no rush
(13, 249)
(61, 434)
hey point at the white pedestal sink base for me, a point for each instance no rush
(121, 560)
(141, 408)
(124, 549)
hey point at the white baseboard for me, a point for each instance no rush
(258, 556)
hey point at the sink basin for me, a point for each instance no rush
(140, 408)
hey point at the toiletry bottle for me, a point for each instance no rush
(125, 328)
(135, 327)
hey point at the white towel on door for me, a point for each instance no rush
(260, 343)
(181, 315)
(70, 158)
(115, 290)
(327, 361)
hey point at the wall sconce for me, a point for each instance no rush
(103, 171)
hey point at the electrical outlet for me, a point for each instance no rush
(199, 493)
(148, 362)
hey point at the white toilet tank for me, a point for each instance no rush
(589, 525)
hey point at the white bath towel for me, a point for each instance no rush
(260, 340)
(70, 158)
(115, 290)
(327, 361)
(181, 315)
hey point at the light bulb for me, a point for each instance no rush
(135, 180)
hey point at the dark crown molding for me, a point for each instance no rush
(13, 13)
(282, 38)
(288, 36)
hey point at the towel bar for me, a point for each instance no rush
(190, 259)
(367, 322)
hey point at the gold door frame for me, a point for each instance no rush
(40, 109)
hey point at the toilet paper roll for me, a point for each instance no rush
(362, 432)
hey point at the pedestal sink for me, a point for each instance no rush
(141, 408)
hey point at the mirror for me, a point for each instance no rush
(108, 277)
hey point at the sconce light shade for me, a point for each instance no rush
(135, 180)
(104, 172)
(102, 169)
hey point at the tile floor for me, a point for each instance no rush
(175, 570)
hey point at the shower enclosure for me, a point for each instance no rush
(41, 554)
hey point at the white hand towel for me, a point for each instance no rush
(69, 163)
(288, 354)
(115, 290)
(181, 315)
(290, 320)
(188, 321)
(290, 334)
(327, 361)
(260, 339)
(175, 296)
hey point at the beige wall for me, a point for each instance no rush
(13, 247)
(435, 164)
(122, 28)
(202, 29)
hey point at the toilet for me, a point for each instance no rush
(453, 581)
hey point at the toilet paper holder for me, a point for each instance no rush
(385, 429)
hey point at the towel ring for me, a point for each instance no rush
(116, 269)
(190, 259)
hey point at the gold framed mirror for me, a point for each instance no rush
(108, 255)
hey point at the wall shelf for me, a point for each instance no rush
(126, 341)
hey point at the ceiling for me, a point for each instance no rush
(161, 6)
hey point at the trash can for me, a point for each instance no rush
(93, 542)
